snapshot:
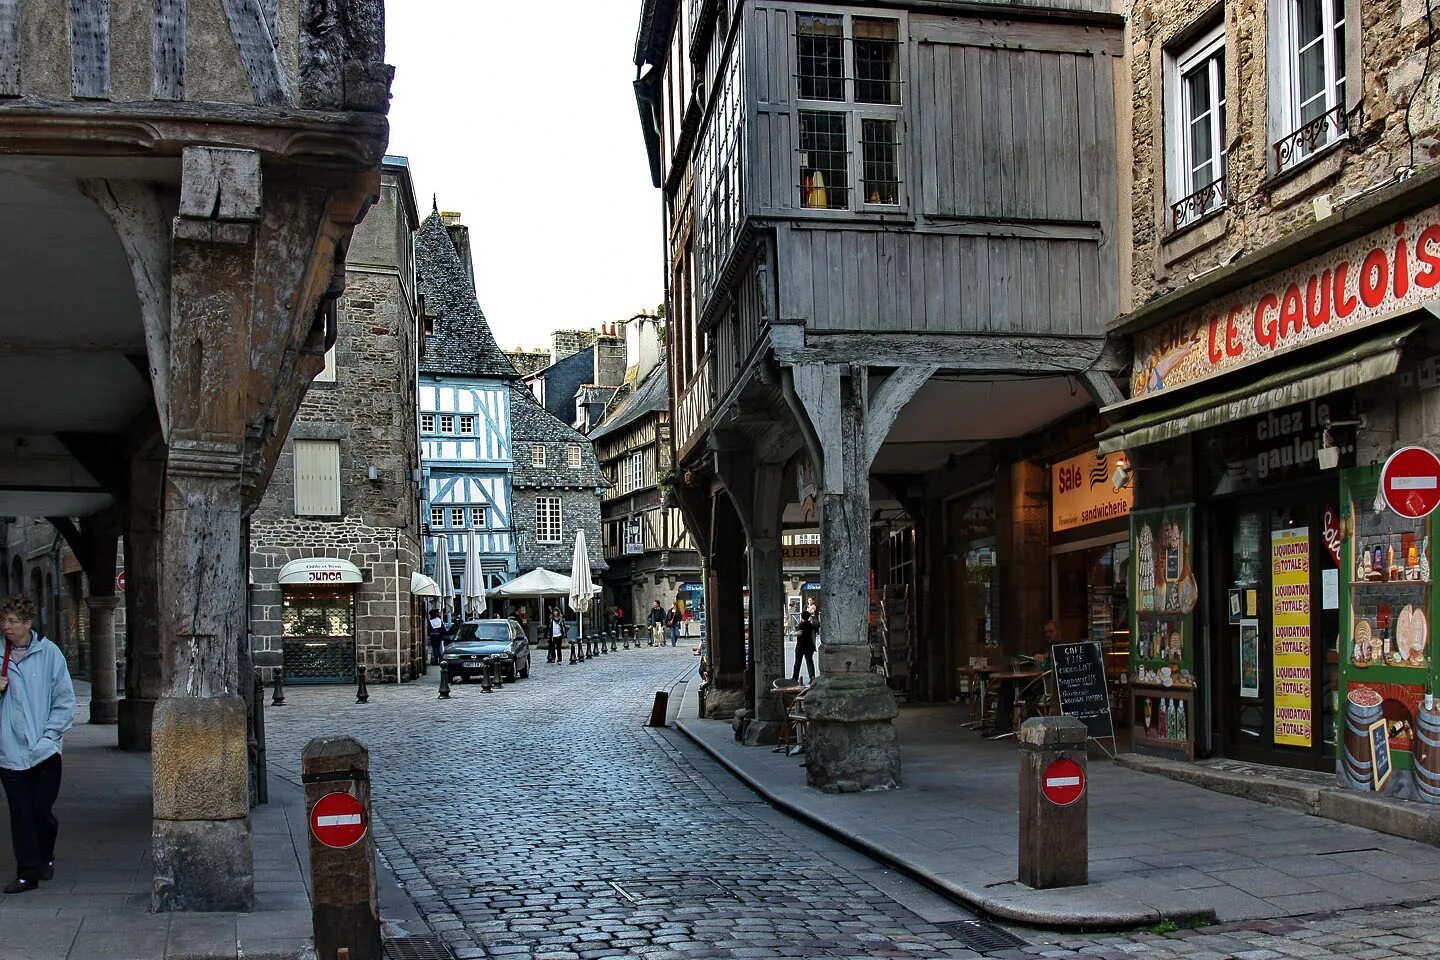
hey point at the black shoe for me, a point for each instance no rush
(47, 872)
(20, 886)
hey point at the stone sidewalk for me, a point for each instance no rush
(97, 907)
(1159, 849)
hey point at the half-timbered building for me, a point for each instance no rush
(464, 417)
(891, 243)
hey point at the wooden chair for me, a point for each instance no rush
(788, 695)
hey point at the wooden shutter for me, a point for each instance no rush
(317, 478)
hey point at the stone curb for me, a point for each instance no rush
(1122, 913)
(1396, 818)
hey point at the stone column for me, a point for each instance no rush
(767, 600)
(725, 614)
(103, 708)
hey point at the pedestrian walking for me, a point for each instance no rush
(37, 706)
(804, 647)
(674, 621)
(437, 636)
(656, 619)
(557, 635)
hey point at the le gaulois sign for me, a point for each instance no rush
(1385, 270)
(1082, 491)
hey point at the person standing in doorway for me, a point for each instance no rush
(437, 636)
(804, 646)
(656, 620)
(675, 620)
(557, 636)
(37, 706)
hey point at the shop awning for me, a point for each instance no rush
(1342, 368)
(318, 571)
(423, 586)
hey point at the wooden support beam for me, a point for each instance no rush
(978, 353)
(887, 402)
(1102, 388)
(90, 49)
(250, 26)
(168, 50)
(10, 48)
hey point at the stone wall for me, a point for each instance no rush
(1262, 208)
(578, 509)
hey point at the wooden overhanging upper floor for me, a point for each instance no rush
(129, 74)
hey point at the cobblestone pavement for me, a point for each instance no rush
(545, 821)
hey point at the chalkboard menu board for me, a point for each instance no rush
(1080, 683)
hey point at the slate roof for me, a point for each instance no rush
(462, 342)
(650, 396)
(531, 423)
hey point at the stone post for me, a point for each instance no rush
(725, 617)
(103, 707)
(142, 602)
(1054, 835)
(342, 879)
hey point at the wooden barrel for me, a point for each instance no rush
(1362, 709)
(1427, 753)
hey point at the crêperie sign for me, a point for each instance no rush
(1080, 684)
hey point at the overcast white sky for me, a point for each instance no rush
(522, 119)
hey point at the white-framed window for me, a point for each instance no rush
(1307, 78)
(548, 527)
(537, 455)
(437, 517)
(457, 517)
(427, 423)
(477, 517)
(1195, 159)
(317, 478)
(848, 84)
(574, 454)
(632, 471)
(447, 423)
(467, 426)
(327, 373)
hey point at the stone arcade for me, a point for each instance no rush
(179, 188)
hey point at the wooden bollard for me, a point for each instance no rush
(1054, 803)
(346, 911)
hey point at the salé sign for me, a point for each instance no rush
(1082, 491)
(1367, 279)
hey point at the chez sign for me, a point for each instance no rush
(1367, 279)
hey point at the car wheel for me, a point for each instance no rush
(525, 674)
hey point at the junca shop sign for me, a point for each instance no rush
(1391, 268)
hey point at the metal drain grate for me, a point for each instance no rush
(417, 948)
(672, 890)
(982, 935)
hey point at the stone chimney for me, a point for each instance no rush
(460, 237)
(642, 344)
(609, 360)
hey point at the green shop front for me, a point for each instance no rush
(1281, 610)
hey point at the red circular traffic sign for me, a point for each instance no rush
(1410, 482)
(1063, 782)
(337, 820)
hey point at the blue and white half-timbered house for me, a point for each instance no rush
(464, 414)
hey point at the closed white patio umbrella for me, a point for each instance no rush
(474, 579)
(443, 576)
(582, 589)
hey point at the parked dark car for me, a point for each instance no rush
(477, 641)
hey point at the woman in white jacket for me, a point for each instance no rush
(37, 706)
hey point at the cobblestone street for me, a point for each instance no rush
(544, 821)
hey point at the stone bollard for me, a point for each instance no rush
(486, 685)
(278, 699)
(627, 631)
(362, 692)
(346, 915)
(444, 683)
(1054, 803)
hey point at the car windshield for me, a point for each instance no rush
(490, 630)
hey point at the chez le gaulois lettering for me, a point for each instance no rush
(1387, 269)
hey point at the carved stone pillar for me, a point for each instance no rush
(725, 613)
(142, 601)
(103, 708)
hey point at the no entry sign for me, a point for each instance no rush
(337, 820)
(1063, 782)
(1410, 481)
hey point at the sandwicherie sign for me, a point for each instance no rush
(1362, 281)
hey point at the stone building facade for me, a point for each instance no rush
(336, 538)
(557, 486)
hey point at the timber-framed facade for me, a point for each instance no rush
(891, 248)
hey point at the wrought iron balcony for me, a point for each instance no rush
(1212, 196)
(1324, 130)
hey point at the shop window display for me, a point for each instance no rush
(1162, 670)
